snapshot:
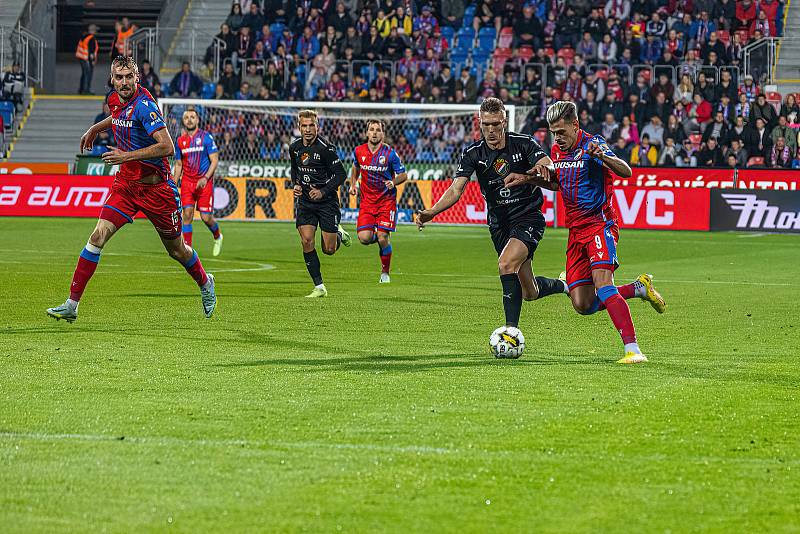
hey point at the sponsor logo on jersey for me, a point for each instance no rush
(305, 158)
(516, 158)
(578, 164)
(501, 166)
(122, 123)
(189, 150)
(305, 169)
(374, 168)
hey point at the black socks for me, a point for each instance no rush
(312, 264)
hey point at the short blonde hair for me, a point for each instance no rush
(562, 109)
(307, 114)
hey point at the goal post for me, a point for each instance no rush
(253, 136)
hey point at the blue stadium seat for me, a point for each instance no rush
(458, 57)
(277, 28)
(208, 90)
(448, 33)
(7, 111)
(486, 38)
(465, 38)
(469, 15)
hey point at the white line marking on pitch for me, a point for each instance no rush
(167, 440)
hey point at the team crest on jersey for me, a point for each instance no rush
(198, 141)
(382, 160)
(305, 158)
(578, 154)
(501, 166)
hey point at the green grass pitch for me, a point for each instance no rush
(380, 408)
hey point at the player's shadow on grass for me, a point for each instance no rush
(403, 363)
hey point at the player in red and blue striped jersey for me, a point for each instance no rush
(379, 170)
(196, 161)
(142, 184)
(584, 168)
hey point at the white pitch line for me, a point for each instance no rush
(171, 441)
(657, 280)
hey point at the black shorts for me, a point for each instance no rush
(325, 214)
(528, 228)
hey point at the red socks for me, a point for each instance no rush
(195, 270)
(87, 264)
(386, 258)
(619, 312)
(187, 234)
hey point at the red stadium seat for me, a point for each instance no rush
(602, 74)
(696, 139)
(526, 52)
(549, 52)
(755, 161)
(506, 37)
(557, 93)
(724, 36)
(568, 53)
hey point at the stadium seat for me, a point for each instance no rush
(500, 56)
(774, 98)
(724, 36)
(526, 52)
(696, 139)
(277, 28)
(8, 120)
(458, 57)
(602, 74)
(568, 53)
(469, 15)
(449, 34)
(506, 37)
(755, 161)
(486, 38)
(465, 38)
(208, 90)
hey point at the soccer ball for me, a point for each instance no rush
(507, 342)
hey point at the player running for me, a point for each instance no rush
(317, 173)
(515, 219)
(584, 172)
(378, 170)
(142, 184)
(196, 161)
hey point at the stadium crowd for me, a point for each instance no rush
(660, 79)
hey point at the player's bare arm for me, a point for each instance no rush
(540, 174)
(449, 198)
(212, 168)
(87, 139)
(161, 149)
(355, 172)
(178, 173)
(618, 166)
(397, 180)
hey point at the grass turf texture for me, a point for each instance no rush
(380, 408)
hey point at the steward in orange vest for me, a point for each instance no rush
(86, 53)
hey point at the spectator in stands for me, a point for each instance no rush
(704, 87)
(783, 130)
(453, 13)
(743, 108)
(86, 53)
(607, 50)
(104, 113)
(699, 113)
(147, 76)
(587, 47)
(668, 154)
(351, 40)
(715, 45)
(14, 85)
(294, 89)
(488, 13)
(243, 47)
(466, 88)
(372, 45)
(340, 20)
(738, 152)
(446, 84)
(664, 86)
(252, 77)
(273, 82)
(628, 131)
(253, 19)
(687, 155)
(618, 9)
(700, 31)
(780, 156)
(791, 110)
(244, 92)
(186, 84)
(726, 87)
(226, 50)
(611, 105)
(527, 29)
(764, 110)
(382, 24)
(394, 46)
(610, 127)
(219, 93)
(644, 154)
(568, 29)
(229, 81)
(749, 88)
(235, 17)
(763, 25)
(595, 25)
(654, 131)
(710, 155)
(756, 139)
(674, 129)
(621, 149)
(717, 129)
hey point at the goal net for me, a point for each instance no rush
(253, 178)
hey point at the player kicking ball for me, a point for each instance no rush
(317, 172)
(584, 173)
(142, 184)
(377, 171)
(196, 161)
(515, 218)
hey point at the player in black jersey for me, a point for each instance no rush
(317, 173)
(515, 219)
